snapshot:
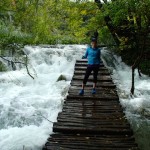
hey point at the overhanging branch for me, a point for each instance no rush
(15, 62)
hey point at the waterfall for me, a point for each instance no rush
(137, 106)
(25, 103)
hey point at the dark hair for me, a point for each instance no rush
(93, 39)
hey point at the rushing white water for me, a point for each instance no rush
(25, 103)
(137, 107)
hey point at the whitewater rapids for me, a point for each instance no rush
(28, 106)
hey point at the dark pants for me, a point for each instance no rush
(89, 69)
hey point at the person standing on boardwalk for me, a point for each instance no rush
(93, 54)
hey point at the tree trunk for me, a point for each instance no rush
(132, 87)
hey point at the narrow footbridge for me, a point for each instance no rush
(91, 122)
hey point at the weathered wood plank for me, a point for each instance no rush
(79, 128)
(81, 102)
(97, 95)
(86, 147)
(99, 79)
(95, 121)
(89, 88)
(103, 116)
(96, 137)
(88, 141)
(90, 84)
(90, 111)
(95, 115)
(91, 76)
(95, 104)
(92, 97)
(92, 144)
(84, 68)
(98, 91)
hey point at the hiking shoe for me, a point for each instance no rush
(93, 91)
(81, 92)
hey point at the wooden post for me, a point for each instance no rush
(132, 87)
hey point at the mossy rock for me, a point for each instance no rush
(61, 77)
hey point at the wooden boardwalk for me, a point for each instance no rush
(91, 122)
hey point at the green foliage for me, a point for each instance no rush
(105, 36)
(48, 22)
(129, 20)
(129, 23)
(145, 67)
(9, 35)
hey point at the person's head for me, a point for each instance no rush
(94, 42)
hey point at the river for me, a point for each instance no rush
(28, 107)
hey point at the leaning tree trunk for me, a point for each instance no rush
(137, 62)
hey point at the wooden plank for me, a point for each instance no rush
(88, 145)
(96, 137)
(84, 68)
(81, 102)
(97, 87)
(100, 116)
(79, 128)
(93, 139)
(95, 115)
(100, 83)
(87, 141)
(96, 108)
(91, 112)
(95, 121)
(111, 104)
(98, 91)
(92, 97)
(90, 84)
(99, 78)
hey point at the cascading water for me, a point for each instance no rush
(26, 105)
(137, 107)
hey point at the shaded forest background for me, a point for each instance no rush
(123, 25)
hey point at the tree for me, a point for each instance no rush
(128, 21)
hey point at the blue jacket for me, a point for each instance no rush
(93, 55)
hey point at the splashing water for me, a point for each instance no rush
(25, 103)
(137, 107)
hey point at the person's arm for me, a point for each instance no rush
(86, 54)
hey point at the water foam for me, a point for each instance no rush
(137, 106)
(25, 103)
